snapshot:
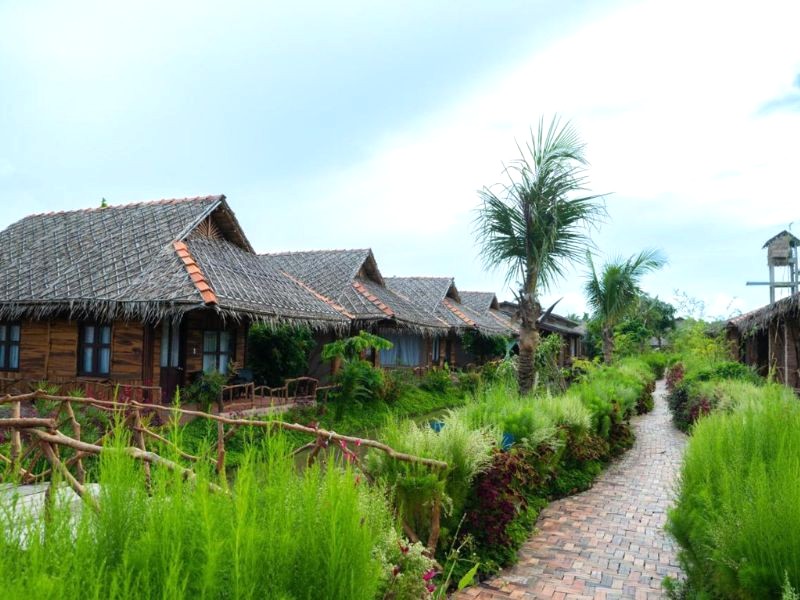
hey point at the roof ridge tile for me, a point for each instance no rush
(195, 274)
(359, 287)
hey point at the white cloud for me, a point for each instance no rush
(667, 96)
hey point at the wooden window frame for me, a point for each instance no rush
(96, 344)
(217, 353)
(8, 343)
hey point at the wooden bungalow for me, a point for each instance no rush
(148, 294)
(440, 298)
(769, 339)
(351, 281)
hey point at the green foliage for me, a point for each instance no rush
(614, 293)
(657, 361)
(537, 223)
(484, 347)
(279, 534)
(469, 382)
(354, 347)
(691, 397)
(279, 352)
(417, 487)
(737, 516)
(206, 389)
(546, 363)
(358, 381)
(438, 380)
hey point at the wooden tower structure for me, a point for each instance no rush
(782, 253)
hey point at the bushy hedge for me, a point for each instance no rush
(737, 515)
(691, 396)
(509, 455)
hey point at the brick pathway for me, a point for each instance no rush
(608, 542)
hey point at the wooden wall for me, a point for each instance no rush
(196, 324)
(784, 346)
(49, 351)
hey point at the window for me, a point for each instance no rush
(435, 350)
(94, 350)
(170, 345)
(406, 352)
(218, 350)
(9, 346)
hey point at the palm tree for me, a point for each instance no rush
(613, 294)
(534, 224)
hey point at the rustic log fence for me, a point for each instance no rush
(34, 440)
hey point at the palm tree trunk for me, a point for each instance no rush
(608, 344)
(528, 342)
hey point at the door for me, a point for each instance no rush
(172, 342)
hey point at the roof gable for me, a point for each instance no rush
(428, 292)
(480, 301)
(124, 261)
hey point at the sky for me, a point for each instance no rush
(366, 124)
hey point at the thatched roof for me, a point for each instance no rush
(351, 279)
(480, 301)
(145, 261)
(485, 303)
(783, 234)
(440, 297)
(757, 320)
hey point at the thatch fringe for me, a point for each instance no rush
(752, 322)
(152, 313)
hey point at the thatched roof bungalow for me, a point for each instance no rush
(441, 298)
(146, 292)
(350, 279)
(769, 338)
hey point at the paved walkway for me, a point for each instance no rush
(607, 542)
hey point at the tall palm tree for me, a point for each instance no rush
(615, 292)
(536, 223)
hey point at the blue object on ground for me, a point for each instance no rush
(508, 441)
(437, 425)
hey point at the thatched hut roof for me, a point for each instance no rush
(552, 322)
(146, 261)
(440, 297)
(486, 303)
(783, 234)
(757, 320)
(351, 279)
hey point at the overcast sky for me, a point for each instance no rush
(373, 124)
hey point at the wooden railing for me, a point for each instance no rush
(239, 392)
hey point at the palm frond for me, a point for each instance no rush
(539, 221)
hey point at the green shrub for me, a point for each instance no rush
(484, 347)
(657, 361)
(276, 353)
(279, 534)
(692, 397)
(737, 515)
(469, 382)
(438, 380)
(417, 488)
(205, 390)
(502, 509)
